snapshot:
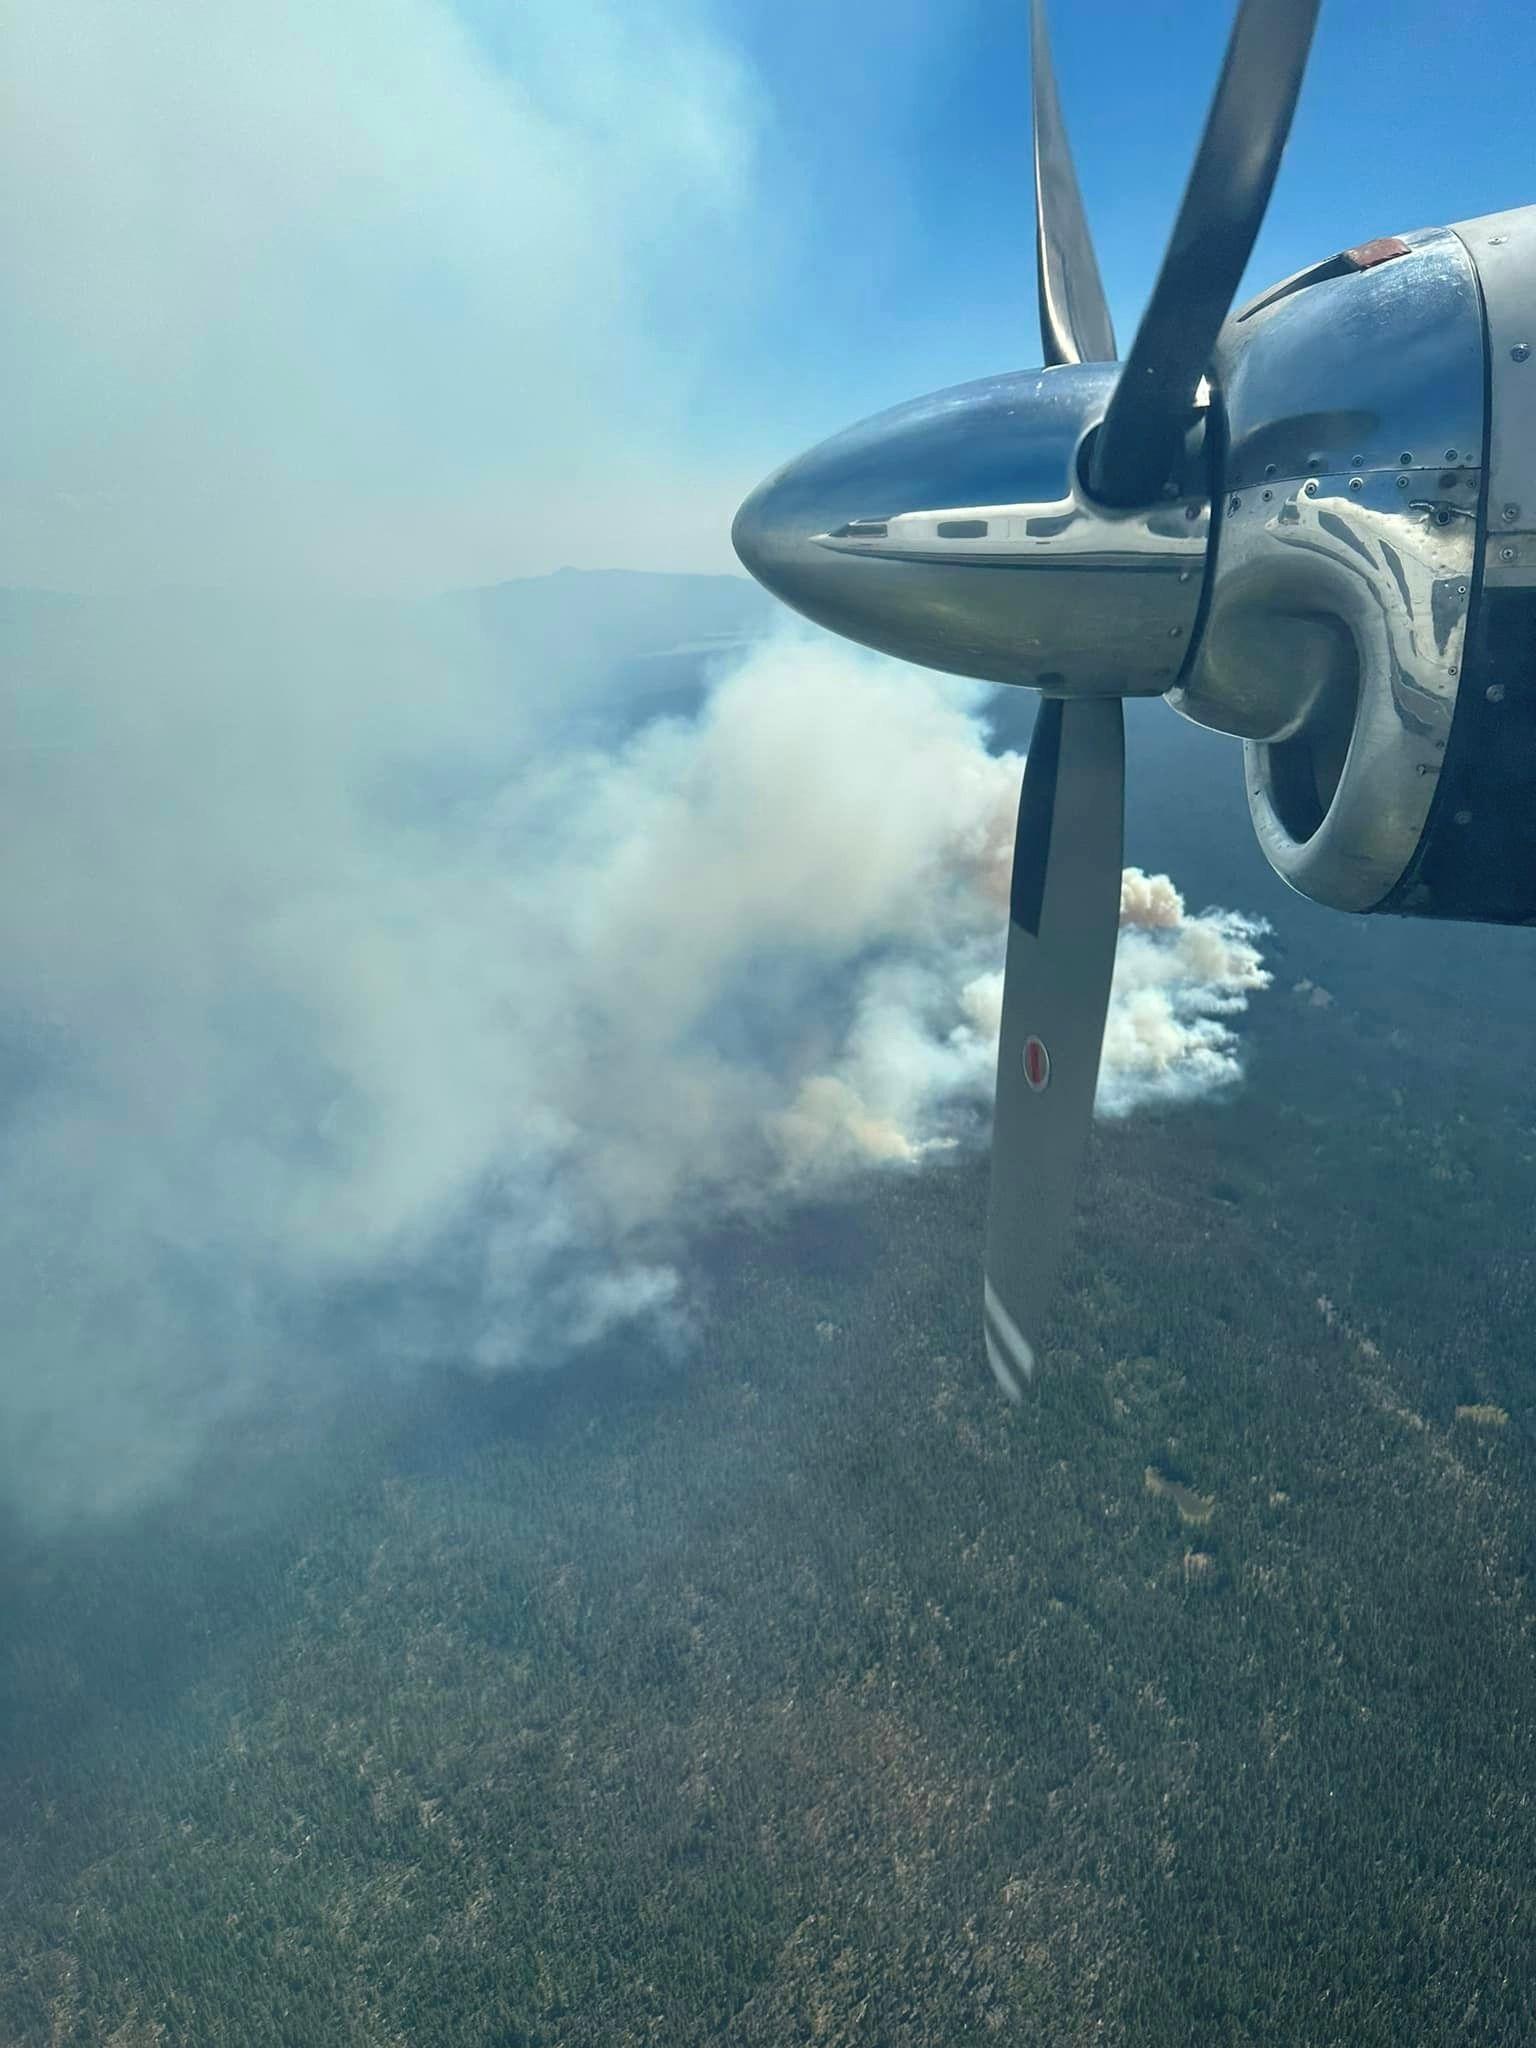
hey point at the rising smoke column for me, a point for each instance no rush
(284, 1033)
(353, 1017)
(1179, 980)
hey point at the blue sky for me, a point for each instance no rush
(900, 135)
(397, 294)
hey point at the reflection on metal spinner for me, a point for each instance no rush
(956, 531)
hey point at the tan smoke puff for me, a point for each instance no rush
(1150, 901)
(827, 1125)
(1174, 984)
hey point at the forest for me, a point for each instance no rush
(798, 1689)
(785, 1685)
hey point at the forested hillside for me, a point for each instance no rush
(781, 1684)
(798, 1689)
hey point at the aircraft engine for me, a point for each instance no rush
(1309, 523)
(1369, 624)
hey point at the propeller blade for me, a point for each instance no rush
(1213, 237)
(1074, 318)
(1064, 919)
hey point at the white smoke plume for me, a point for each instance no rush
(283, 1033)
(1178, 980)
(354, 1015)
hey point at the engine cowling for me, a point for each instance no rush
(1369, 623)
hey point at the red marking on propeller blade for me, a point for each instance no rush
(1037, 1064)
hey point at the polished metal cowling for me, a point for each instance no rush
(1350, 403)
(1370, 619)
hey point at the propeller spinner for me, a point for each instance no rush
(1050, 529)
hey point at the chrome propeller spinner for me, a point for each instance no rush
(1050, 529)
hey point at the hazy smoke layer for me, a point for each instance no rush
(384, 294)
(350, 1016)
(353, 1014)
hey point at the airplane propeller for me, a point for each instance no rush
(1065, 895)
(1052, 528)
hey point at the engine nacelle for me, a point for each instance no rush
(1370, 599)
